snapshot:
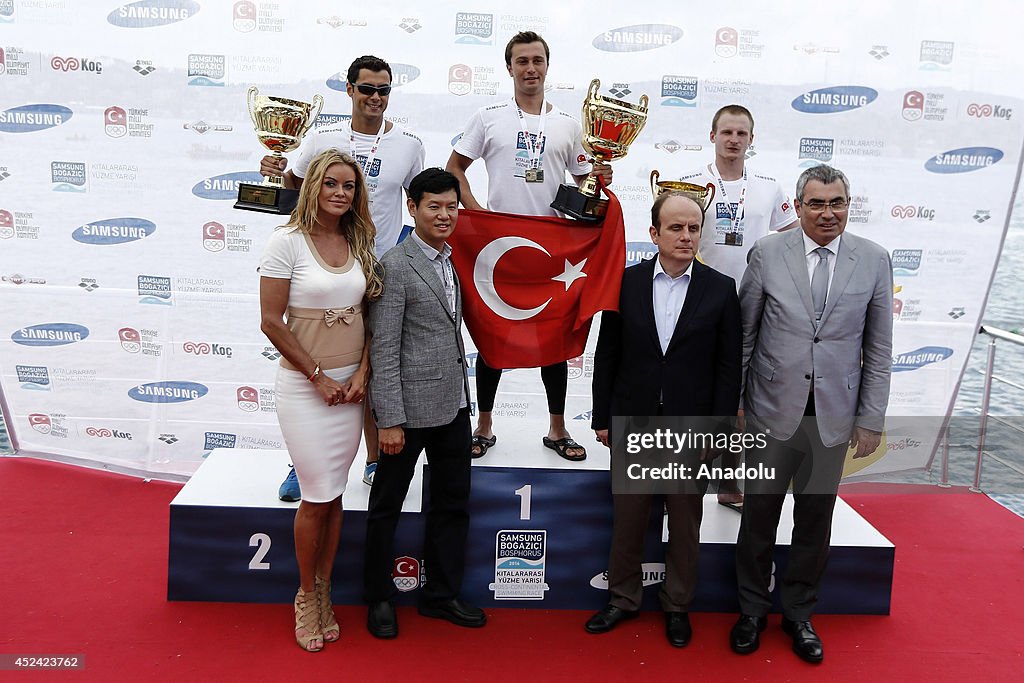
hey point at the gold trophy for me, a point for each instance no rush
(703, 195)
(280, 124)
(609, 127)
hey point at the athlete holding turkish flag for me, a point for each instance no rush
(532, 280)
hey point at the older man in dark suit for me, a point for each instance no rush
(817, 356)
(673, 349)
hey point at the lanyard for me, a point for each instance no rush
(535, 148)
(449, 280)
(368, 164)
(737, 215)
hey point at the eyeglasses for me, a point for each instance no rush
(367, 89)
(818, 206)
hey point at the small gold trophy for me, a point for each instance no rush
(701, 194)
(609, 127)
(280, 124)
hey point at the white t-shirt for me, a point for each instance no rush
(495, 134)
(399, 158)
(766, 208)
(290, 255)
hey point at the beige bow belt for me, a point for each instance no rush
(331, 345)
(330, 315)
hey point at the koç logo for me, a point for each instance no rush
(637, 38)
(225, 186)
(963, 160)
(29, 118)
(50, 334)
(114, 231)
(167, 392)
(148, 13)
(918, 358)
(835, 99)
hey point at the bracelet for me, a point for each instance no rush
(316, 373)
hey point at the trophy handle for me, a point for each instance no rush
(643, 102)
(592, 92)
(711, 196)
(251, 100)
(654, 182)
(318, 104)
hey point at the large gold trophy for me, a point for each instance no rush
(702, 194)
(609, 127)
(280, 124)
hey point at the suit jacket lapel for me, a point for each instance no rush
(421, 264)
(846, 264)
(796, 261)
(647, 302)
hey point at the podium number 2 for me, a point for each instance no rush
(524, 494)
(262, 544)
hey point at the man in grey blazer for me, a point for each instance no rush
(816, 306)
(419, 392)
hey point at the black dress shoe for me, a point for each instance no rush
(456, 611)
(806, 643)
(381, 620)
(608, 618)
(746, 634)
(677, 628)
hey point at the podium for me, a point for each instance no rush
(540, 531)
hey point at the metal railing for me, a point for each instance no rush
(994, 334)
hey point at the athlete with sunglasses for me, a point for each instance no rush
(390, 157)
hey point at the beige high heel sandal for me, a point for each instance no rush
(328, 624)
(307, 621)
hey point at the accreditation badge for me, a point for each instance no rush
(535, 175)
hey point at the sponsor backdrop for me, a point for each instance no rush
(130, 327)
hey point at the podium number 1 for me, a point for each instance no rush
(524, 504)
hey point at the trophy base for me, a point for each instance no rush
(574, 203)
(266, 199)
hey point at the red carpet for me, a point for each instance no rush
(84, 571)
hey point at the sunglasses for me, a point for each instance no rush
(367, 89)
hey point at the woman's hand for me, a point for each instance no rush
(330, 390)
(355, 387)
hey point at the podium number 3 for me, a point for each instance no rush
(524, 494)
(262, 544)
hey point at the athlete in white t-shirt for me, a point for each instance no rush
(747, 206)
(527, 145)
(389, 156)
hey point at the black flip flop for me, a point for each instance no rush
(562, 446)
(483, 443)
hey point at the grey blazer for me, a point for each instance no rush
(848, 354)
(417, 359)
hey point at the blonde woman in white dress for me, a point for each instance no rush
(316, 275)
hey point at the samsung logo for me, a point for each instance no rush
(914, 360)
(403, 73)
(167, 392)
(225, 186)
(963, 160)
(114, 231)
(32, 117)
(835, 99)
(148, 13)
(639, 251)
(50, 334)
(637, 38)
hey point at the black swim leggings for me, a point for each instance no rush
(555, 378)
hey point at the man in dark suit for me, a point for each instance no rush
(817, 356)
(672, 350)
(420, 397)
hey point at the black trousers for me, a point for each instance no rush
(555, 378)
(444, 548)
(814, 470)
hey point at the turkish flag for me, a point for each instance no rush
(531, 284)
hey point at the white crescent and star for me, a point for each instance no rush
(483, 276)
